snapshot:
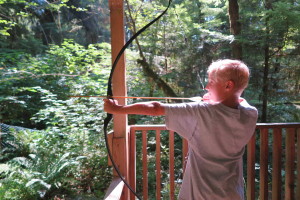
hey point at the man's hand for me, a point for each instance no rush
(111, 106)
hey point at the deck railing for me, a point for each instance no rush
(144, 131)
(114, 192)
(271, 171)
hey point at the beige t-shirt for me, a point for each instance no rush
(217, 136)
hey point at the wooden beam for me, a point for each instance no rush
(120, 136)
(119, 76)
(145, 165)
(157, 164)
(263, 172)
(171, 165)
(298, 164)
(277, 164)
(290, 164)
(251, 168)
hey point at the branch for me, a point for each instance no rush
(133, 28)
(145, 65)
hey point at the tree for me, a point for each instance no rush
(27, 22)
(265, 87)
(183, 42)
(235, 28)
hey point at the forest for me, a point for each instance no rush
(52, 146)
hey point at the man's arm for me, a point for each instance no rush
(148, 108)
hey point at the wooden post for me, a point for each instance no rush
(277, 164)
(120, 136)
(290, 164)
(251, 168)
(263, 172)
(298, 164)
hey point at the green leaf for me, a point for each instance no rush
(38, 182)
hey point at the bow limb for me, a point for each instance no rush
(110, 93)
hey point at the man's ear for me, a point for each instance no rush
(230, 85)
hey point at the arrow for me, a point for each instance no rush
(125, 97)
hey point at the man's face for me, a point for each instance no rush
(216, 89)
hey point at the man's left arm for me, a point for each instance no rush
(147, 108)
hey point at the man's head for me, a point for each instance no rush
(227, 76)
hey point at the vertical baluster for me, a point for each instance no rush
(251, 169)
(263, 187)
(298, 164)
(132, 160)
(145, 165)
(171, 164)
(290, 164)
(158, 167)
(276, 173)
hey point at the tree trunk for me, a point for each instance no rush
(149, 72)
(48, 32)
(235, 28)
(89, 21)
(265, 87)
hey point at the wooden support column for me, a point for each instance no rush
(120, 133)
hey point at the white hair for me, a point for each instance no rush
(233, 70)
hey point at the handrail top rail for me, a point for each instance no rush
(115, 189)
(279, 125)
(258, 125)
(141, 127)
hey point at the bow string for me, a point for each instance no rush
(110, 93)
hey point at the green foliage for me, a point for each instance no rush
(5, 26)
(69, 69)
(56, 166)
(183, 42)
(68, 157)
(48, 22)
(46, 55)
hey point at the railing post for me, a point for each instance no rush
(276, 173)
(132, 162)
(298, 164)
(251, 169)
(157, 165)
(263, 187)
(145, 165)
(171, 165)
(290, 164)
(120, 136)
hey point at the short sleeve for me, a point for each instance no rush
(182, 118)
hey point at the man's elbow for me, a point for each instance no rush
(158, 109)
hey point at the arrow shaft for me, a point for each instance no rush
(125, 97)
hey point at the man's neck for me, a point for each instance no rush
(232, 102)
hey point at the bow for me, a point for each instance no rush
(110, 93)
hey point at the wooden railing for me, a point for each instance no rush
(115, 189)
(278, 162)
(272, 161)
(143, 130)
